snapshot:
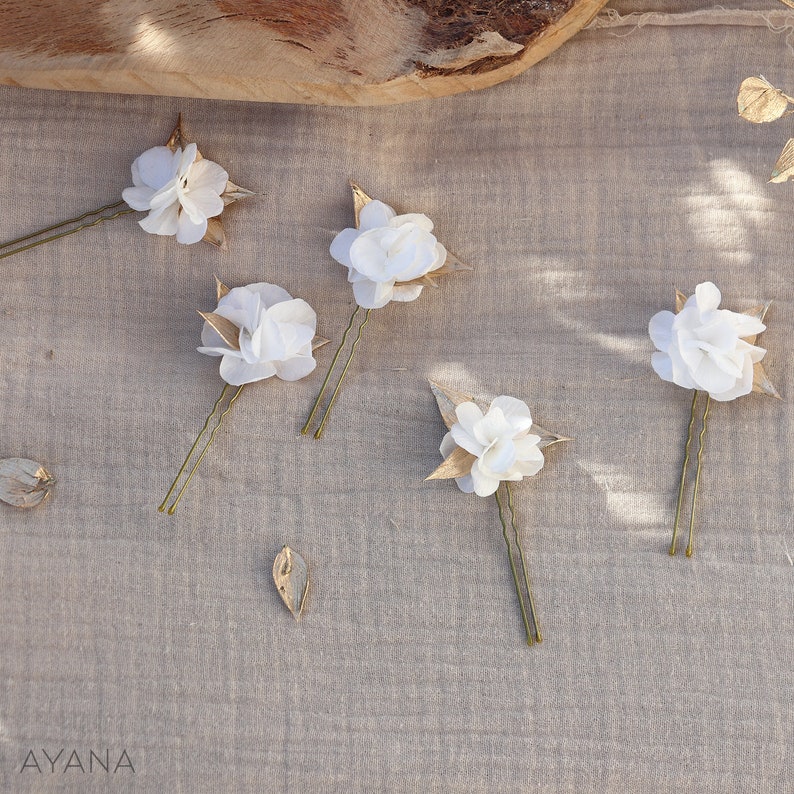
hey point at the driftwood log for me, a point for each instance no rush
(334, 52)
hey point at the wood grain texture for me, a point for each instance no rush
(348, 52)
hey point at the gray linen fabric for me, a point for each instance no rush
(582, 193)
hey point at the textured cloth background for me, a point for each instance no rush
(583, 193)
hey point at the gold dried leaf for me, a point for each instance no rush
(789, 3)
(447, 400)
(784, 167)
(680, 300)
(759, 101)
(234, 193)
(226, 329)
(177, 139)
(221, 290)
(215, 234)
(360, 198)
(458, 464)
(319, 341)
(451, 265)
(761, 383)
(547, 438)
(23, 482)
(291, 575)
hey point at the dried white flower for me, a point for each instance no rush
(386, 254)
(179, 188)
(260, 331)
(704, 347)
(500, 441)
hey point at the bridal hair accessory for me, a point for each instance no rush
(183, 194)
(712, 351)
(486, 448)
(389, 257)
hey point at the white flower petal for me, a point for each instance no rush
(374, 214)
(206, 175)
(139, 198)
(269, 294)
(340, 247)
(499, 457)
(188, 232)
(468, 415)
(236, 372)
(527, 448)
(711, 378)
(161, 221)
(661, 330)
(295, 368)
(155, 167)
(417, 218)
(406, 293)
(708, 296)
(448, 446)
(466, 484)
(514, 410)
(371, 294)
(185, 159)
(662, 366)
(492, 426)
(484, 484)
(202, 204)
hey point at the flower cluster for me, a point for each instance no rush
(500, 441)
(387, 254)
(704, 347)
(179, 189)
(275, 335)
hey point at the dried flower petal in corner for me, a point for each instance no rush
(484, 449)
(183, 194)
(389, 257)
(258, 331)
(291, 575)
(711, 350)
(23, 482)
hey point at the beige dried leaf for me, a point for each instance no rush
(221, 290)
(360, 198)
(177, 138)
(761, 382)
(226, 329)
(215, 235)
(234, 193)
(319, 341)
(789, 3)
(24, 483)
(447, 400)
(451, 265)
(547, 438)
(680, 300)
(458, 464)
(784, 167)
(291, 575)
(759, 101)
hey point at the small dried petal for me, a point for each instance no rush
(291, 575)
(547, 438)
(23, 482)
(784, 167)
(221, 290)
(177, 138)
(759, 101)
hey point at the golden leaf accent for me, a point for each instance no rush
(458, 464)
(226, 329)
(234, 193)
(784, 167)
(291, 575)
(23, 482)
(360, 199)
(547, 438)
(759, 101)
(221, 290)
(447, 400)
(319, 341)
(177, 137)
(215, 235)
(680, 300)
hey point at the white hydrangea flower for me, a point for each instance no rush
(276, 333)
(500, 441)
(179, 191)
(386, 251)
(703, 347)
